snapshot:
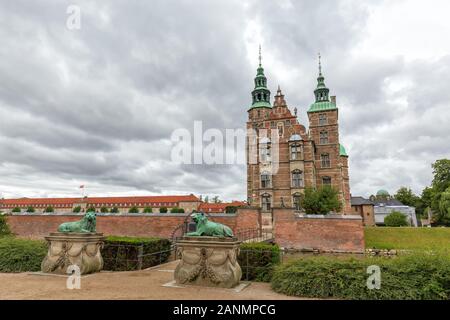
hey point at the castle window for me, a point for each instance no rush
(265, 152)
(323, 137)
(325, 160)
(265, 202)
(297, 179)
(265, 180)
(296, 152)
(326, 181)
(259, 96)
(280, 129)
(259, 113)
(323, 119)
(297, 201)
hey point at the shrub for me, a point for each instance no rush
(16, 209)
(104, 209)
(321, 200)
(90, 209)
(176, 210)
(30, 210)
(148, 210)
(20, 255)
(4, 228)
(76, 209)
(258, 260)
(115, 210)
(133, 210)
(417, 276)
(231, 209)
(163, 210)
(122, 253)
(49, 209)
(396, 219)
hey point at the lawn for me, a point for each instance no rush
(408, 238)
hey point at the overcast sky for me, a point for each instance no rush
(97, 105)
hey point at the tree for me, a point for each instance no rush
(444, 207)
(441, 172)
(207, 199)
(396, 219)
(407, 197)
(4, 228)
(148, 210)
(177, 210)
(231, 209)
(16, 209)
(49, 209)
(77, 209)
(30, 209)
(133, 210)
(321, 201)
(163, 210)
(104, 209)
(216, 199)
(115, 210)
(90, 209)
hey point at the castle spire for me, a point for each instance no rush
(260, 95)
(321, 91)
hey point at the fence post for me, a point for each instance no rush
(140, 254)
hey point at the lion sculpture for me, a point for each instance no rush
(86, 225)
(207, 228)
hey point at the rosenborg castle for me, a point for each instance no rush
(283, 159)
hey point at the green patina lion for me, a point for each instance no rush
(207, 228)
(85, 225)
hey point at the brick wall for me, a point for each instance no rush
(139, 225)
(338, 233)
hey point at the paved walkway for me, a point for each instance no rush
(145, 284)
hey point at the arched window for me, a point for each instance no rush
(296, 152)
(297, 201)
(265, 202)
(265, 180)
(323, 137)
(326, 181)
(325, 160)
(259, 96)
(297, 179)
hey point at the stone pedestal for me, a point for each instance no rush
(81, 249)
(208, 261)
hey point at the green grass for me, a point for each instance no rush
(407, 238)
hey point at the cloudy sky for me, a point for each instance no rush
(98, 105)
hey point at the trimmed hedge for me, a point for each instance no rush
(409, 277)
(20, 255)
(258, 260)
(122, 253)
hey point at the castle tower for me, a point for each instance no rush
(330, 157)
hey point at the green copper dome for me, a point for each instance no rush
(322, 106)
(382, 192)
(342, 151)
(260, 95)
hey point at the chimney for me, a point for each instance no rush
(333, 99)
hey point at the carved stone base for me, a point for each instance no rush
(66, 249)
(208, 261)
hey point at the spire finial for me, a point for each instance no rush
(260, 55)
(320, 64)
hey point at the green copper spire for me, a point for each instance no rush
(321, 93)
(260, 95)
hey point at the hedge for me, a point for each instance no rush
(4, 228)
(408, 277)
(122, 253)
(20, 255)
(257, 260)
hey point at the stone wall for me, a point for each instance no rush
(332, 233)
(133, 225)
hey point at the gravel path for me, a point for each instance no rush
(145, 284)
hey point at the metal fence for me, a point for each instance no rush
(253, 235)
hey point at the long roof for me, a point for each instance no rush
(95, 200)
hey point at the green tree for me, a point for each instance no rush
(104, 209)
(16, 209)
(322, 200)
(231, 209)
(115, 210)
(441, 172)
(30, 209)
(77, 209)
(206, 199)
(163, 210)
(133, 210)
(49, 209)
(216, 199)
(407, 197)
(4, 228)
(90, 209)
(148, 210)
(176, 210)
(444, 207)
(396, 219)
